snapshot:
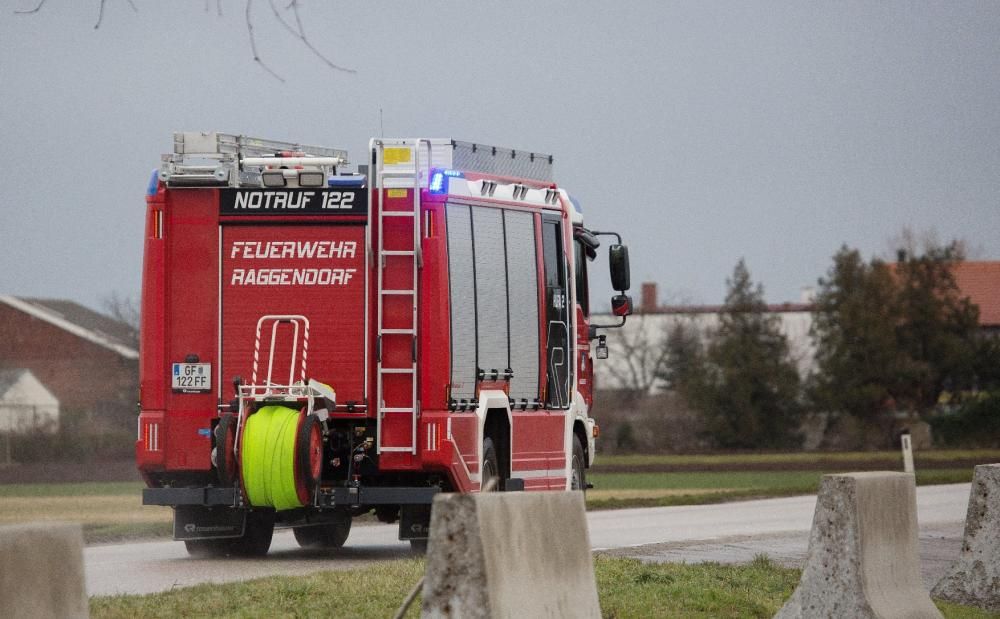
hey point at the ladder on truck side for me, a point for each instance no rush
(401, 174)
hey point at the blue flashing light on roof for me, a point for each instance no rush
(439, 182)
(154, 182)
(576, 204)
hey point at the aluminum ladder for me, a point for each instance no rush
(397, 177)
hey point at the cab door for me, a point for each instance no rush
(557, 328)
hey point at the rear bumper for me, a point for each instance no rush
(333, 497)
(189, 496)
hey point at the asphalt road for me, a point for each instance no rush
(724, 532)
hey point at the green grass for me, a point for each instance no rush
(108, 511)
(956, 611)
(806, 481)
(627, 588)
(375, 591)
(737, 459)
(621, 490)
(114, 488)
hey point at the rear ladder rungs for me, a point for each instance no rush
(397, 213)
(397, 292)
(396, 332)
(396, 370)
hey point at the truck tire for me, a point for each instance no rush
(489, 469)
(578, 481)
(418, 546)
(256, 540)
(207, 548)
(225, 454)
(332, 535)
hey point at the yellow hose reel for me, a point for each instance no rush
(281, 457)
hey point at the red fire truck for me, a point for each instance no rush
(318, 343)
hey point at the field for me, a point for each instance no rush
(620, 490)
(627, 588)
(112, 511)
(828, 461)
(643, 480)
(109, 511)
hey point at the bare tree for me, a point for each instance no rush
(297, 30)
(123, 309)
(637, 354)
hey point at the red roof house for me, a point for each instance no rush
(88, 361)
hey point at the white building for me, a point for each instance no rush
(25, 403)
(637, 351)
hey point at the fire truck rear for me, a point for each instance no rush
(318, 344)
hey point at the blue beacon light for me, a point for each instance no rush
(439, 180)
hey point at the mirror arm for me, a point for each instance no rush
(617, 236)
(594, 328)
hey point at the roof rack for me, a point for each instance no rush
(458, 155)
(501, 161)
(226, 160)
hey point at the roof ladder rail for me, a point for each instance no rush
(395, 337)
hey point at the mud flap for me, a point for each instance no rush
(194, 522)
(414, 521)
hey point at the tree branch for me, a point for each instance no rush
(30, 11)
(100, 14)
(253, 45)
(300, 34)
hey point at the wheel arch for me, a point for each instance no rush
(496, 425)
(580, 432)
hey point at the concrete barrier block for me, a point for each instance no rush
(863, 559)
(510, 555)
(41, 571)
(974, 579)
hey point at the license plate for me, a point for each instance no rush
(191, 377)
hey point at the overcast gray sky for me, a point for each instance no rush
(703, 132)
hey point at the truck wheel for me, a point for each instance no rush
(225, 454)
(331, 535)
(207, 548)
(489, 470)
(418, 546)
(579, 479)
(256, 540)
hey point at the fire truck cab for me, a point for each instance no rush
(317, 343)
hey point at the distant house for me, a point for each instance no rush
(636, 350)
(626, 366)
(25, 403)
(86, 360)
(980, 281)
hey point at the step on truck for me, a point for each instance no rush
(319, 343)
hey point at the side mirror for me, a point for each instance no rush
(620, 277)
(621, 305)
